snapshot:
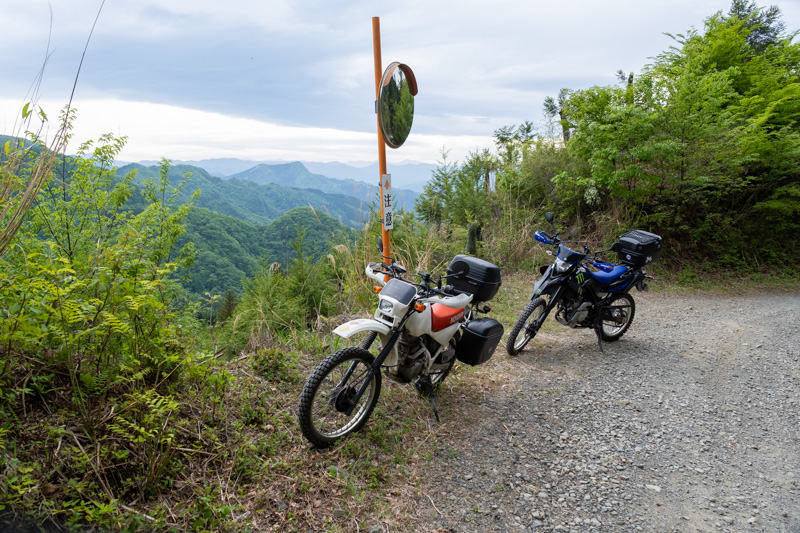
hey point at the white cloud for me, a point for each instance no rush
(304, 67)
(155, 131)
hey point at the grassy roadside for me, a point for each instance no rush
(237, 461)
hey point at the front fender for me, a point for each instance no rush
(348, 329)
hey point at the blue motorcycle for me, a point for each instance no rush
(586, 291)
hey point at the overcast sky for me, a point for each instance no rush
(294, 79)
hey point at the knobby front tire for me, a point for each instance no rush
(323, 402)
(521, 333)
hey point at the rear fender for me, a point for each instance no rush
(639, 281)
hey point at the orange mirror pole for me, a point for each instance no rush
(376, 47)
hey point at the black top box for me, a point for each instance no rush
(480, 278)
(638, 248)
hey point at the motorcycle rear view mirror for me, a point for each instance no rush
(380, 244)
(396, 103)
(549, 217)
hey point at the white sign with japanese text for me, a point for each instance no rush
(386, 193)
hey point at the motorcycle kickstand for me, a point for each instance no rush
(426, 387)
(598, 324)
(599, 338)
(598, 330)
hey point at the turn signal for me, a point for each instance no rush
(419, 307)
(377, 289)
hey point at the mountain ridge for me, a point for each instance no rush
(295, 174)
(251, 201)
(412, 175)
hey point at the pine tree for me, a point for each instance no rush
(226, 307)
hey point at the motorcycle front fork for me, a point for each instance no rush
(347, 405)
(367, 342)
(373, 369)
(534, 326)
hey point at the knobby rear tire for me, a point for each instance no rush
(624, 307)
(320, 420)
(532, 312)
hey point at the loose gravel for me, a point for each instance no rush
(690, 422)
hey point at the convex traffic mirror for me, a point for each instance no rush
(396, 104)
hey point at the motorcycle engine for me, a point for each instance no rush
(413, 354)
(412, 358)
(574, 313)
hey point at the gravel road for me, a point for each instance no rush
(691, 422)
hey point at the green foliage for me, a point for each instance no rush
(105, 400)
(277, 301)
(227, 307)
(535, 185)
(87, 284)
(208, 513)
(227, 249)
(276, 365)
(472, 189)
(88, 326)
(459, 194)
(763, 24)
(146, 432)
(434, 204)
(702, 145)
(472, 239)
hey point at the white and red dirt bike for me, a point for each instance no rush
(423, 329)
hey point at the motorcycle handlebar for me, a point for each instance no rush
(452, 291)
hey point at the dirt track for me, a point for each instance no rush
(691, 422)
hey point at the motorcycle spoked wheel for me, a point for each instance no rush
(521, 333)
(328, 392)
(617, 317)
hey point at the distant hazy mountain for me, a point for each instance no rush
(297, 175)
(219, 167)
(408, 175)
(258, 203)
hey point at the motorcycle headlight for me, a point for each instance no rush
(561, 265)
(386, 307)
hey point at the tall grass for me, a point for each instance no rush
(25, 166)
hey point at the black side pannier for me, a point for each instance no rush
(480, 278)
(479, 339)
(637, 248)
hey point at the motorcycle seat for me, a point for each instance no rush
(443, 317)
(605, 277)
